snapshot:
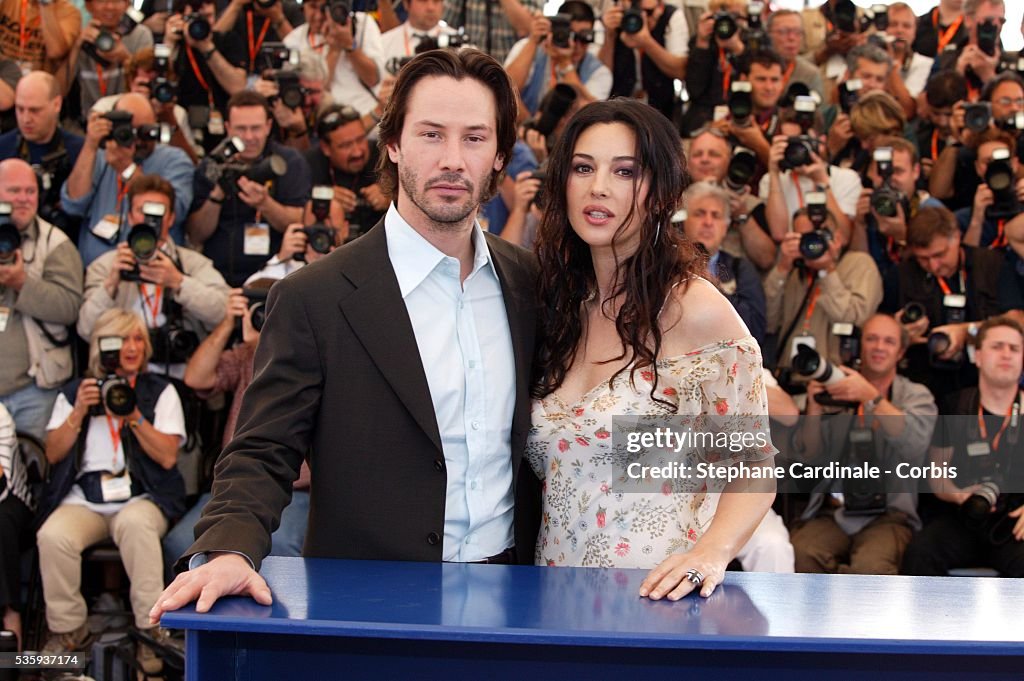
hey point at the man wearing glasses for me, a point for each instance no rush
(786, 30)
(538, 62)
(343, 159)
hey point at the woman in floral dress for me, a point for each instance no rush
(630, 329)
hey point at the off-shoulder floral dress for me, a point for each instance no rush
(587, 518)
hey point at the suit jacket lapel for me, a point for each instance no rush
(377, 314)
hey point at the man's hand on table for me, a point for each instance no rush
(226, 574)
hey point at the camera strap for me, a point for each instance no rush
(944, 37)
(1000, 241)
(1012, 415)
(151, 304)
(23, 28)
(813, 292)
(725, 66)
(199, 74)
(784, 338)
(115, 438)
(944, 285)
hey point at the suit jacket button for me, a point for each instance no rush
(433, 539)
(439, 465)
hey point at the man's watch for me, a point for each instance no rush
(877, 400)
(207, 55)
(563, 71)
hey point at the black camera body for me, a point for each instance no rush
(553, 107)
(849, 93)
(225, 166)
(862, 496)
(122, 133)
(988, 37)
(257, 309)
(173, 343)
(742, 167)
(754, 36)
(275, 56)
(144, 238)
(10, 237)
(814, 244)
(799, 152)
(561, 30)
(340, 11)
(1001, 179)
(540, 199)
(877, 16)
(632, 19)
(198, 26)
(844, 14)
(320, 235)
(912, 312)
(741, 101)
(886, 200)
(116, 393)
(725, 25)
(289, 90)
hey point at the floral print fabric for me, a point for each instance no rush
(590, 518)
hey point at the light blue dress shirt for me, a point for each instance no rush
(465, 345)
(168, 162)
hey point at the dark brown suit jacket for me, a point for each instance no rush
(338, 374)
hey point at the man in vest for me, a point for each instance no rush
(40, 293)
(538, 62)
(660, 46)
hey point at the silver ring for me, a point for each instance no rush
(695, 577)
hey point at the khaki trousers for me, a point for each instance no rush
(136, 530)
(821, 546)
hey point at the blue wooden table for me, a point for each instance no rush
(335, 619)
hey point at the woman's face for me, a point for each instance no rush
(600, 192)
(133, 351)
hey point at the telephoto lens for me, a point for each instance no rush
(980, 503)
(10, 237)
(814, 245)
(912, 312)
(977, 116)
(741, 169)
(811, 365)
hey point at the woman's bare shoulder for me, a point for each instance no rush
(696, 314)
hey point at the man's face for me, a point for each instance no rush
(709, 158)
(880, 346)
(447, 151)
(872, 76)
(940, 258)
(986, 12)
(787, 36)
(252, 125)
(905, 173)
(705, 222)
(985, 154)
(107, 12)
(941, 118)
(1007, 100)
(346, 148)
(313, 11)
(902, 25)
(314, 94)
(136, 216)
(766, 85)
(579, 48)
(424, 15)
(19, 187)
(36, 112)
(1000, 356)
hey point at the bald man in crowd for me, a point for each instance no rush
(98, 183)
(40, 141)
(40, 295)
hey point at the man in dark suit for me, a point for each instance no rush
(400, 363)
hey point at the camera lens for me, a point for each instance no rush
(118, 397)
(259, 315)
(977, 116)
(199, 28)
(725, 26)
(741, 170)
(142, 239)
(814, 244)
(797, 153)
(292, 97)
(104, 41)
(938, 343)
(632, 21)
(979, 504)
(913, 312)
(885, 202)
(339, 11)
(10, 241)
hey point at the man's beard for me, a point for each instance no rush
(445, 216)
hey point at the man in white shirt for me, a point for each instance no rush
(424, 22)
(355, 62)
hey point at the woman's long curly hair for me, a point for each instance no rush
(643, 280)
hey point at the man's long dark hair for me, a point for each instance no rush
(644, 279)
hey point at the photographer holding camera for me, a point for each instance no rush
(295, 96)
(40, 141)
(38, 35)
(558, 45)
(978, 58)
(932, 130)
(999, 197)
(865, 529)
(796, 167)
(422, 23)
(753, 110)
(889, 200)
(345, 159)
(711, 158)
(40, 293)
(97, 185)
(104, 46)
(910, 68)
(804, 300)
(953, 287)
(355, 62)
(939, 28)
(654, 36)
(713, 63)
(707, 220)
(786, 30)
(176, 291)
(144, 78)
(980, 523)
(954, 178)
(492, 25)
(298, 250)
(238, 221)
(251, 23)
(868, 69)
(112, 442)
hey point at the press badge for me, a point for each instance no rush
(107, 228)
(215, 126)
(5, 316)
(257, 239)
(978, 449)
(957, 300)
(116, 488)
(802, 340)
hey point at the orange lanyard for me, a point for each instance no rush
(945, 36)
(788, 74)
(894, 250)
(254, 48)
(1000, 240)
(101, 80)
(23, 28)
(115, 437)
(945, 287)
(935, 144)
(860, 417)
(1006, 422)
(320, 48)
(195, 70)
(973, 93)
(813, 282)
(122, 190)
(726, 67)
(154, 303)
(405, 37)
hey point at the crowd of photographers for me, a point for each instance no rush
(856, 185)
